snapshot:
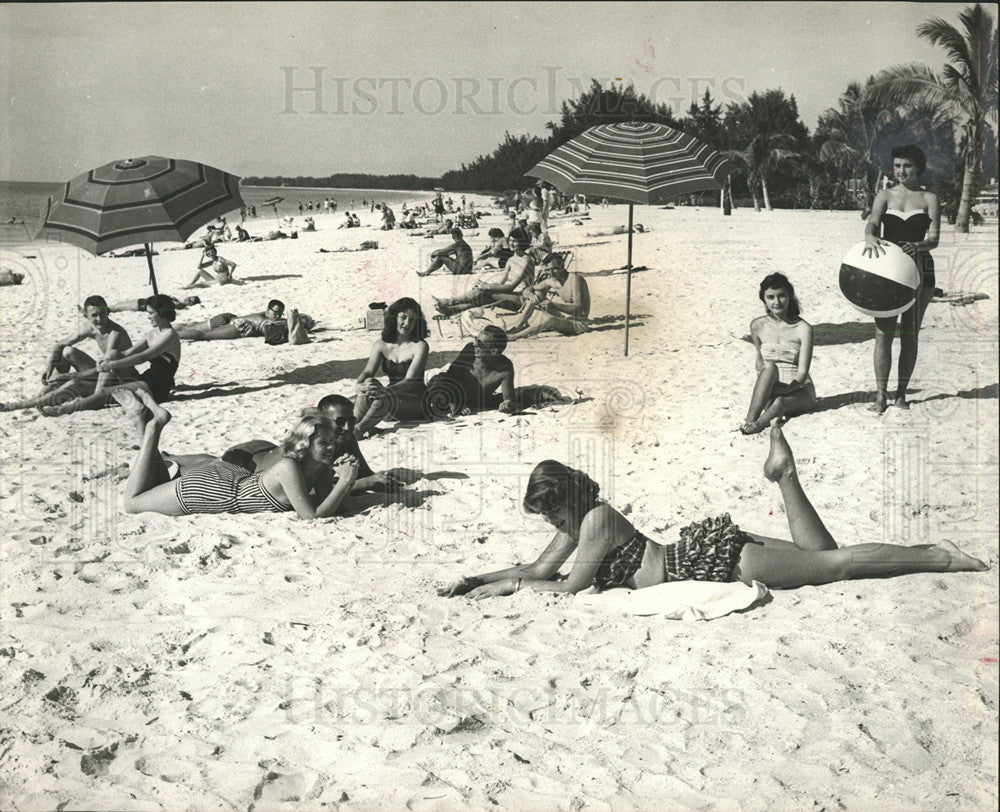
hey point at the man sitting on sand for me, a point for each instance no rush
(560, 302)
(457, 257)
(497, 287)
(73, 374)
(226, 326)
(471, 380)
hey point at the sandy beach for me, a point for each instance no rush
(261, 662)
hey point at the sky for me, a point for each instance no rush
(320, 88)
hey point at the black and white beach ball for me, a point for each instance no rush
(885, 285)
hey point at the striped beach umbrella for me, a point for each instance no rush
(637, 161)
(139, 201)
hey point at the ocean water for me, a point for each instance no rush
(25, 202)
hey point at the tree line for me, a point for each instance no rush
(952, 116)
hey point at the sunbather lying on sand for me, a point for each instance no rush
(309, 478)
(139, 305)
(638, 228)
(260, 455)
(227, 326)
(610, 552)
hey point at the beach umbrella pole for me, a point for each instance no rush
(149, 262)
(628, 278)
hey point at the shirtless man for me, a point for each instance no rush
(561, 303)
(71, 373)
(226, 326)
(471, 380)
(494, 288)
(456, 257)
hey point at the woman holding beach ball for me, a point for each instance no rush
(909, 216)
(784, 343)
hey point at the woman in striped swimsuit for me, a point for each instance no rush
(612, 553)
(310, 478)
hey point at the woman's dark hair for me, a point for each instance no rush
(553, 484)
(389, 331)
(913, 153)
(496, 233)
(777, 281)
(163, 305)
(276, 303)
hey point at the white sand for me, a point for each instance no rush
(250, 662)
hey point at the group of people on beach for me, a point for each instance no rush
(314, 469)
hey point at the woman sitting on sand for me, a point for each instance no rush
(401, 354)
(160, 347)
(222, 268)
(610, 552)
(301, 481)
(784, 342)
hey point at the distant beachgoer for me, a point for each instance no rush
(909, 216)
(541, 243)
(637, 228)
(309, 224)
(611, 552)
(228, 326)
(242, 234)
(71, 374)
(303, 480)
(456, 257)
(223, 268)
(401, 354)
(784, 344)
(496, 253)
(139, 305)
(9, 277)
(491, 288)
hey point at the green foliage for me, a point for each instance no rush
(348, 181)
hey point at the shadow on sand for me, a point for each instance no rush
(832, 335)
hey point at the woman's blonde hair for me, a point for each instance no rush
(297, 442)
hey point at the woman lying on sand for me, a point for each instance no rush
(611, 552)
(784, 342)
(401, 354)
(302, 480)
(260, 455)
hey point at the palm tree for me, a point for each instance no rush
(767, 131)
(856, 137)
(966, 89)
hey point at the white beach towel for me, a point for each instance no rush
(678, 600)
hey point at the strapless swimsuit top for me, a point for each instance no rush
(908, 226)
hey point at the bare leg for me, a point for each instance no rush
(808, 530)
(761, 396)
(797, 402)
(909, 343)
(885, 331)
(133, 408)
(813, 558)
(148, 472)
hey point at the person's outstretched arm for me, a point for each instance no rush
(287, 474)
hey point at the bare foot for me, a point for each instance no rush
(780, 461)
(160, 415)
(901, 403)
(959, 561)
(752, 427)
(879, 406)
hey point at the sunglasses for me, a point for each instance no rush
(343, 421)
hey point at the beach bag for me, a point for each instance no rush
(275, 332)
